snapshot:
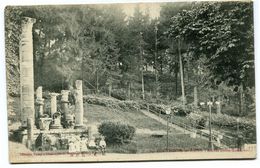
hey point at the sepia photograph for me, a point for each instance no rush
(130, 81)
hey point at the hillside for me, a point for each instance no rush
(147, 128)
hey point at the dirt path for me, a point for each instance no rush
(162, 121)
(23, 155)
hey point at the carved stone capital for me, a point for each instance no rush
(28, 20)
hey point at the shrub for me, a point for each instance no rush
(119, 94)
(180, 111)
(111, 102)
(223, 120)
(197, 120)
(116, 133)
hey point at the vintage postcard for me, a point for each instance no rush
(131, 82)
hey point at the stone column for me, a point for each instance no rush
(79, 111)
(39, 92)
(26, 71)
(90, 135)
(53, 103)
(30, 133)
(39, 102)
(65, 102)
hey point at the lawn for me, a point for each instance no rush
(147, 144)
(142, 143)
(99, 114)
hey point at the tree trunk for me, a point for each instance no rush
(142, 73)
(195, 96)
(143, 96)
(241, 102)
(156, 86)
(161, 65)
(176, 83)
(129, 90)
(176, 72)
(155, 68)
(187, 71)
(97, 91)
(109, 89)
(181, 73)
(82, 68)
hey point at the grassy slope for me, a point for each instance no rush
(142, 142)
(98, 114)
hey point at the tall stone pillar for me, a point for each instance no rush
(79, 111)
(26, 71)
(53, 103)
(30, 133)
(65, 102)
(56, 116)
(39, 92)
(39, 102)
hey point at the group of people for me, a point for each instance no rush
(87, 145)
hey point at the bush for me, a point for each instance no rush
(196, 120)
(116, 133)
(180, 111)
(111, 102)
(223, 120)
(119, 94)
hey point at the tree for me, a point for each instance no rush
(135, 57)
(12, 34)
(223, 33)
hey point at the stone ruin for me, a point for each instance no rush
(41, 130)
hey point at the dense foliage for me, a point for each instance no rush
(123, 56)
(116, 133)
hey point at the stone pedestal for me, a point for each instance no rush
(56, 122)
(26, 71)
(44, 123)
(79, 111)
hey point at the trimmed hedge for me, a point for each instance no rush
(177, 110)
(223, 120)
(116, 133)
(111, 102)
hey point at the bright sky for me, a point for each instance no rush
(153, 8)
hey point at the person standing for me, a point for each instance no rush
(83, 144)
(92, 145)
(102, 145)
